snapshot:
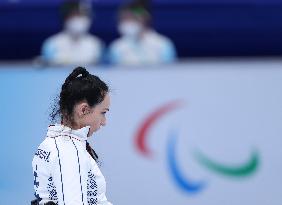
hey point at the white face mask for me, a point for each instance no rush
(78, 25)
(130, 29)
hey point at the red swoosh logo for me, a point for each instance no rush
(147, 124)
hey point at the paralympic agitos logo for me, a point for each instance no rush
(187, 184)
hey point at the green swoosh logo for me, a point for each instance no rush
(233, 171)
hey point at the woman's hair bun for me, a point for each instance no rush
(76, 73)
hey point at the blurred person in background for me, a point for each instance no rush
(74, 45)
(139, 44)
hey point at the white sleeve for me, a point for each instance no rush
(41, 174)
(168, 52)
(48, 50)
(69, 170)
(53, 51)
(113, 54)
(104, 200)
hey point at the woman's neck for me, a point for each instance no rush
(70, 124)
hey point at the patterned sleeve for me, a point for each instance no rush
(43, 182)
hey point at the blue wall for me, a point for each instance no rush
(198, 28)
(228, 111)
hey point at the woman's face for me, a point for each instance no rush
(94, 117)
(97, 116)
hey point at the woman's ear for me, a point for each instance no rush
(82, 109)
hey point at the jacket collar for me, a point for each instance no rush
(59, 130)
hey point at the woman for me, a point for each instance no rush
(64, 166)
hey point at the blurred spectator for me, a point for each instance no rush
(139, 44)
(73, 45)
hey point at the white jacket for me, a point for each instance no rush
(61, 49)
(153, 48)
(64, 172)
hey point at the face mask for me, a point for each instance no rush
(78, 25)
(130, 29)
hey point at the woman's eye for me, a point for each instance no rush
(103, 113)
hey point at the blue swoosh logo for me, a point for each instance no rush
(187, 185)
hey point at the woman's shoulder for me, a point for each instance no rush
(45, 149)
(48, 144)
(52, 144)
